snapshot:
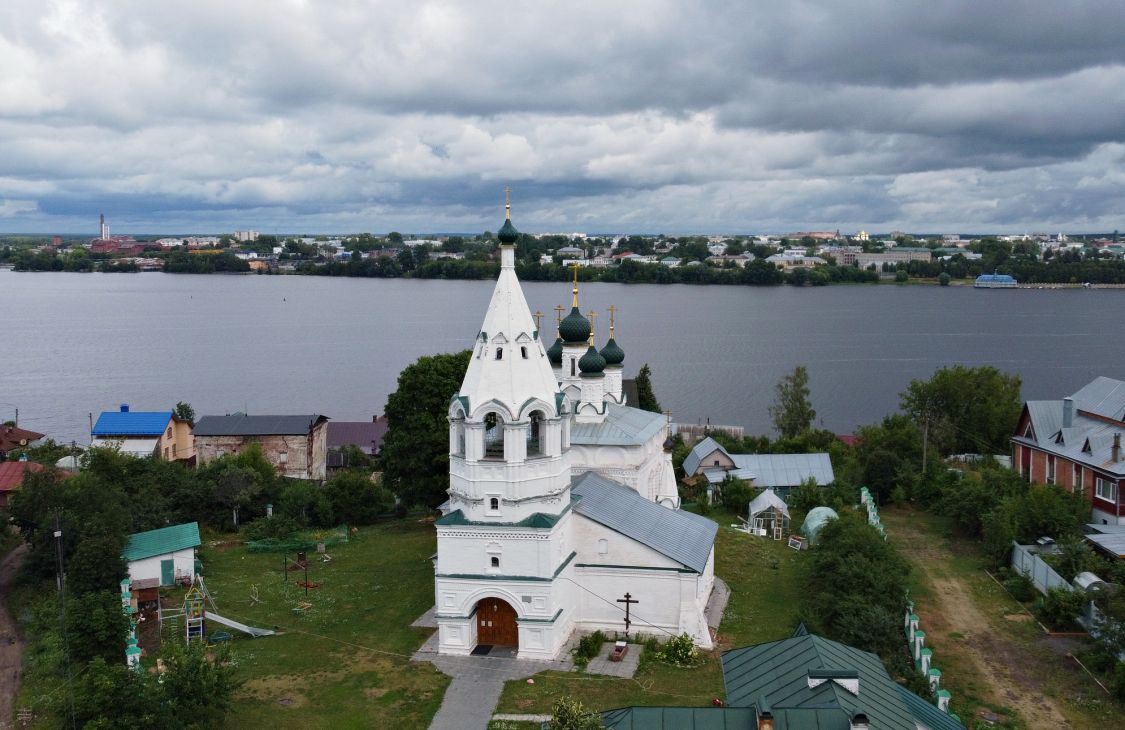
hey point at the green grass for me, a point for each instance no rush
(343, 662)
(764, 577)
(1014, 641)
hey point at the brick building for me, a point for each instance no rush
(295, 445)
(1075, 442)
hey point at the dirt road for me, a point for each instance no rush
(11, 645)
(953, 622)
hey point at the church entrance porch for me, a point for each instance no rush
(496, 623)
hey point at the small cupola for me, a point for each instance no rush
(613, 353)
(575, 328)
(592, 363)
(508, 233)
(555, 353)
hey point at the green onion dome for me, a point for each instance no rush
(554, 352)
(613, 353)
(508, 233)
(575, 329)
(592, 363)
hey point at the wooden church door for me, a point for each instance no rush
(496, 623)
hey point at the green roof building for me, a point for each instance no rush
(163, 555)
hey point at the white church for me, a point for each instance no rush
(562, 497)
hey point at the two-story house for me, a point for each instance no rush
(162, 434)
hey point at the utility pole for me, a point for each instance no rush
(61, 580)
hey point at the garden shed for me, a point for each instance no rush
(165, 555)
(769, 515)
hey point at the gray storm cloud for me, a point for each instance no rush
(645, 116)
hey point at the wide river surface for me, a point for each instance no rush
(75, 344)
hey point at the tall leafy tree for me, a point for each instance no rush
(966, 409)
(646, 398)
(792, 413)
(415, 452)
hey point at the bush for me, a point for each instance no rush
(943, 279)
(588, 647)
(679, 651)
(1060, 607)
(902, 276)
(1021, 587)
(736, 495)
(569, 714)
(277, 527)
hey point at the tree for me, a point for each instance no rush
(355, 499)
(184, 412)
(967, 410)
(792, 413)
(569, 714)
(646, 398)
(943, 279)
(198, 685)
(415, 451)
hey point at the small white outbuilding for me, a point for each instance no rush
(165, 555)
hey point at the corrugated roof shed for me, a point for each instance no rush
(241, 424)
(166, 540)
(623, 426)
(131, 423)
(682, 536)
(778, 470)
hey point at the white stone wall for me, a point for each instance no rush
(183, 564)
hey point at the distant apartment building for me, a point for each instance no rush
(897, 255)
(243, 236)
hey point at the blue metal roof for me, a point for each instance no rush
(131, 423)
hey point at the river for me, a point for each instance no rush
(76, 344)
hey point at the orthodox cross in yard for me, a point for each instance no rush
(628, 600)
(538, 316)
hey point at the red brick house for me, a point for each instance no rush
(12, 474)
(1076, 443)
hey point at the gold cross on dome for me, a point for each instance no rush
(538, 316)
(507, 202)
(558, 314)
(612, 312)
(593, 316)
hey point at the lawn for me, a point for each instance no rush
(993, 656)
(764, 577)
(343, 662)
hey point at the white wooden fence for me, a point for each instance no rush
(1044, 577)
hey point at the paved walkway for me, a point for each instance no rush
(717, 603)
(477, 683)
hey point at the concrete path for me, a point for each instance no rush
(11, 645)
(717, 603)
(477, 683)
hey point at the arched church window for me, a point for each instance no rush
(523, 351)
(535, 434)
(495, 562)
(572, 367)
(499, 353)
(494, 504)
(493, 436)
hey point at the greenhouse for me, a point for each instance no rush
(815, 520)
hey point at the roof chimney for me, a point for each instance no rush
(859, 721)
(764, 713)
(1068, 412)
(124, 407)
(1116, 453)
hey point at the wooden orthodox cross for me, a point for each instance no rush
(628, 600)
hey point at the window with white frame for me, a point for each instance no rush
(1106, 489)
(494, 505)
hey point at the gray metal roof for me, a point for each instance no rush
(698, 452)
(1087, 440)
(684, 537)
(623, 426)
(241, 424)
(1102, 396)
(778, 470)
(1111, 542)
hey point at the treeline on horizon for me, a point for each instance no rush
(1016, 259)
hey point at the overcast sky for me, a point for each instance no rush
(743, 116)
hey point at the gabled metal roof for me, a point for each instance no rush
(131, 423)
(1103, 397)
(777, 470)
(161, 542)
(779, 672)
(682, 536)
(698, 452)
(622, 426)
(682, 718)
(241, 424)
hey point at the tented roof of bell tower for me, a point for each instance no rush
(510, 379)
